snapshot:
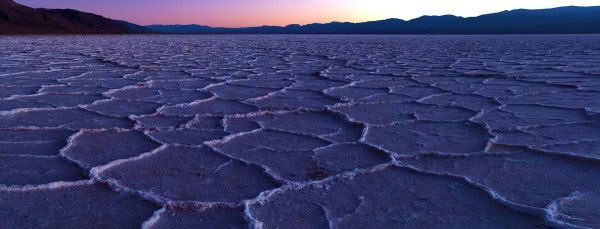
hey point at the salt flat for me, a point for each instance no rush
(300, 131)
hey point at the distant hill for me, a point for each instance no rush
(181, 28)
(562, 20)
(19, 19)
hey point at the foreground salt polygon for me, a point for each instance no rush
(300, 131)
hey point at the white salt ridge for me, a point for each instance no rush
(295, 116)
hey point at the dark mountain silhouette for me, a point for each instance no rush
(181, 28)
(562, 20)
(19, 19)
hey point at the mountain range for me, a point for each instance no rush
(19, 19)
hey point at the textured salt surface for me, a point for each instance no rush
(300, 132)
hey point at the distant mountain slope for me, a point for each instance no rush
(180, 28)
(19, 19)
(562, 20)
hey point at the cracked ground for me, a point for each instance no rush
(300, 132)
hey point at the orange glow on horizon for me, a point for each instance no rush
(245, 13)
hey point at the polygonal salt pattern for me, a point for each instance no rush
(299, 132)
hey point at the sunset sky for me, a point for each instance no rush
(241, 13)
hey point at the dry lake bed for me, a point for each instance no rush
(300, 131)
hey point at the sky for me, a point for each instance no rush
(244, 13)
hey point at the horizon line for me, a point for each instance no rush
(321, 23)
(316, 22)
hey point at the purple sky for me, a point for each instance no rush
(240, 13)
